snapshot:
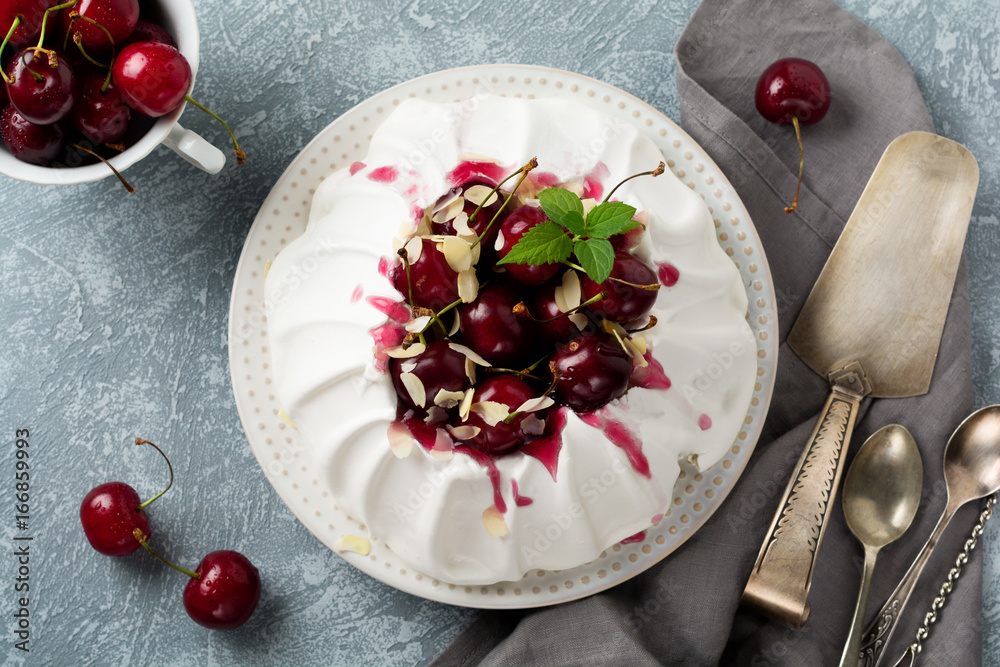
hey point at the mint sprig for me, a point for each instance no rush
(569, 232)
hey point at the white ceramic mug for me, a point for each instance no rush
(178, 17)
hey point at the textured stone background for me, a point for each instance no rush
(114, 313)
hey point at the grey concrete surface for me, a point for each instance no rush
(113, 315)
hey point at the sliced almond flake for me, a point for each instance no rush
(442, 454)
(640, 344)
(476, 249)
(415, 387)
(498, 245)
(579, 319)
(448, 399)
(621, 342)
(458, 254)
(435, 415)
(408, 366)
(465, 432)
(284, 417)
(476, 157)
(405, 229)
(397, 243)
(468, 285)
(469, 354)
(400, 440)
(637, 357)
(615, 328)
(399, 352)
(424, 226)
(353, 543)
(492, 412)
(536, 404)
(419, 324)
(446, 201)
(456, 325)
(470, 370)
(494, 522)
(567, 295)
(442, 441)
(413, 248)
(532, 202)
(574, 187)
(480, 195)
(588, 205)
(532, 425)
(461, 225)
(267, 267)
(466, 406)
(693, 460)
(449, 212)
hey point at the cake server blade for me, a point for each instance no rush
(872, 326)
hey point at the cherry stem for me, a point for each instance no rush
(138, 534)
(649, 325)
(523, 171)
(78, 40)
(802, 163)
(555, 378)
(110, 166)
(241, 157)
(140, 441)
(45, 19)
(660, 168)
(511, 371)
(38, 77)
(107, 34)
(13, 26)
(652, 287)
(436, 317)
(521, 309)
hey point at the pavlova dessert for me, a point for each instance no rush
(493, 337)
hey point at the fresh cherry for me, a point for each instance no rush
(629, 292)
(589, 371)
(512, 391)
(153, 77)
(490, 327)
(793, 91)
(29, 14)
(514, 227)
(42, 94)
(439, 368)
(432, 283)
(100, 115)
(111, 513)
(118, 17)
(35, 144)
(150, 32)
(225, 592)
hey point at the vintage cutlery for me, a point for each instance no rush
(871, 326)
(881, 496)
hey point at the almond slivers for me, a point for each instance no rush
(458, 254)
(469, 354)
(492, 412)
(480, 195)
(567, 295)
(536, 404)
(468, 286)
(448, 399)
(399, 352)
(494, 522)
(400, 440)
(353, 543)
(415, 387)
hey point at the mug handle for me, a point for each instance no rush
(193, 148)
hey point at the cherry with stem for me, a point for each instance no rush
(121, 178)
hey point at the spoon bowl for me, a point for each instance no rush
(880, 497)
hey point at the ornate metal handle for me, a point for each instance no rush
(779, 583)
(913, 650)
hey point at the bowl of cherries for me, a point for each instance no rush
(92, 86)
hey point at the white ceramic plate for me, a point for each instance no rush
(282, 218)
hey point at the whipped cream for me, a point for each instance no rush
(437, 513)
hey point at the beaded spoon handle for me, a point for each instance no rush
(913, 650)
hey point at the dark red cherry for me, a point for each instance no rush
(225, 593)
(153, 77)
(490, 327)
(514, 227)
(590, 371)
(150, 32)
(501, 437)
(118, 17)
(438, 367)
(31, 13)
(36, 144)
(109, 514)
(42, 94)
(792, 87)
(101, 116)
(434, 283)
(544, 307)
(482, 219)
(623, 302)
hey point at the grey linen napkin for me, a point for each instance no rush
(685, 611)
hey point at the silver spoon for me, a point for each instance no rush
(971, 472)
(881, 495)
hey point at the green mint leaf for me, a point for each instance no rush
(557, 202)
(597, 257)
(544, 243)
(573, 221)
(610, 218)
